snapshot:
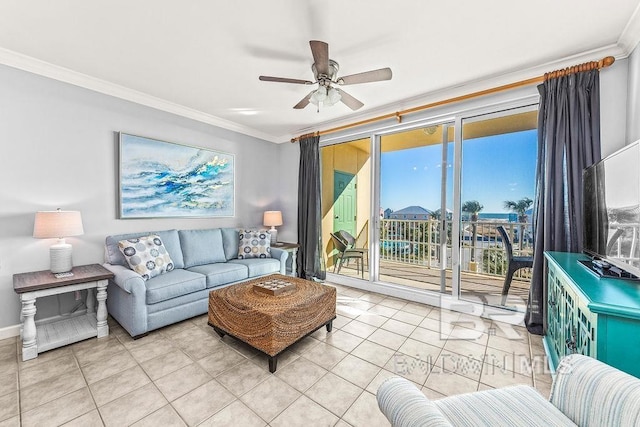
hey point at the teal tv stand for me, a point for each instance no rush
(590, 315)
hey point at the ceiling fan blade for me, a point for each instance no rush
(284, 80)
(304, 101)
(366, 77)
(320, 51)
(349, 100)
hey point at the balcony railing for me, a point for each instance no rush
(482, 250)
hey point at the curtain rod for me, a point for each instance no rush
(587, 66)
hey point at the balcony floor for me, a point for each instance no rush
(473, 286)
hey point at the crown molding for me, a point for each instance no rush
(46, 69)
(630, 36)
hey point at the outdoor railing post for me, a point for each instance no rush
(417, 242)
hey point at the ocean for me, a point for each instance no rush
(509, 216)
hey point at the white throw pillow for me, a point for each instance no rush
(146, 255)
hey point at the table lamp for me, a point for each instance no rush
(58, 224)
(272, 219)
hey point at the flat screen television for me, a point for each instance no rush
(611, 203)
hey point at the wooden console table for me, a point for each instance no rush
(46, 336)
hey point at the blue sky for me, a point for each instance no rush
(494, 169)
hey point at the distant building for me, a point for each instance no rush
(387, 213)
(411, 213)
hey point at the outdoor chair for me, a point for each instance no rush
(515, 263)
(613, 240)
(345, 254)
(352, 244)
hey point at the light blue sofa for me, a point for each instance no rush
(203, 260)
(585, 392)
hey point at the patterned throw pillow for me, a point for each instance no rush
(146, 255)
(254, 244)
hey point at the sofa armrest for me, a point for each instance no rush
(126, 299)
(592, 393)
(406, 406)
(281, 255)
(124, 277)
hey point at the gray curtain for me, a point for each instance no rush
(310, 260)
(568, 141)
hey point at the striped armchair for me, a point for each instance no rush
(585, 392)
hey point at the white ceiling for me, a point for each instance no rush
(202, 58)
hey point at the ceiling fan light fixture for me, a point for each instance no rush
(333, 97)
(320, 94)
(325, 72)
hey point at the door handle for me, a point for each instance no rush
(336, 217)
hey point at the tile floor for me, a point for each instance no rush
(185, 374)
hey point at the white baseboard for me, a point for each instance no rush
(9, 332)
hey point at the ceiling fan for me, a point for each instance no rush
(325, 72)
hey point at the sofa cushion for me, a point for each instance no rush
(254, 244)
(178, 302)
(146, 256)
(230, 242)
(259, 266)
(201, 247)
(169, 238)
(173, 284)
(221, 273)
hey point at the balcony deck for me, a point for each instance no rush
(408, 256)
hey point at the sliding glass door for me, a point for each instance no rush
(419, 207)
(415, 191)
(498, 177)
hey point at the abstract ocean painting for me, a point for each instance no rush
(163, 179)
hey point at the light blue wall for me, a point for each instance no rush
(613, 106)
(59, 150)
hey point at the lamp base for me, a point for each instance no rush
(60, 255)
(274, 235)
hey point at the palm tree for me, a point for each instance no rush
(520, 207)
(473, 207)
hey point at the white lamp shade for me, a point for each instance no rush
(57, 224)
(272, 218)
